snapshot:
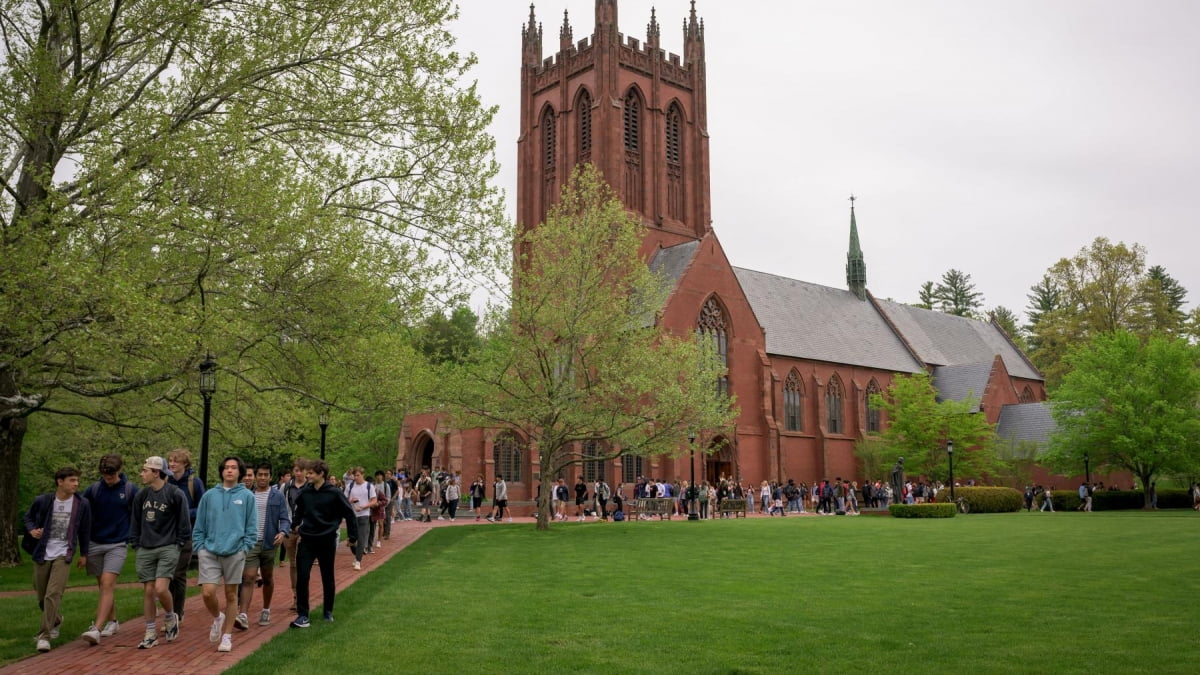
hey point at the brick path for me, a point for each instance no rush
(191, 652)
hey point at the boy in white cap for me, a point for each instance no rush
(160, 526)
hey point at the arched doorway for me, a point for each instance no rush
(422, 452)
(718, 461)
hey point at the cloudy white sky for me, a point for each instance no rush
(993, 137)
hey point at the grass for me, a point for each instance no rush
(984, 593)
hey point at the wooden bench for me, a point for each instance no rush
(661, 507)
(737, 507)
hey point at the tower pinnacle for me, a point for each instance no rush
(856, 264)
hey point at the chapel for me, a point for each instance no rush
(803, 359)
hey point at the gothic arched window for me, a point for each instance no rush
(833, 405)
(873, 411)
(712, 327)
(675, 196)
(793, 390)
(633, 121)
(549, 153)
(506, 454)
(1027, 396)
(633, 150)
(584, 107)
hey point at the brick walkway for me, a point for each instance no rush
(192, 652)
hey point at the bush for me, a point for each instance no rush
(935, 510)
(1116, 500)
(988, 499)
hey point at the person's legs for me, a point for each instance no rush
(302, 563)
(50, 579)
(179, 579)
(360, 545)
(325, 555)
(452, 508)
(249, 577)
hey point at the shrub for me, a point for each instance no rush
(989, 499)
(1116, 500)
(935, 510)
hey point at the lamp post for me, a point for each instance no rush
(950, 454)
(208, 385)
(323, 420)
(1087, 470)
(692, 515)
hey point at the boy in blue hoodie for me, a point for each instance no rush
(226, 528)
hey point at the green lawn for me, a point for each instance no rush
(1026, 592)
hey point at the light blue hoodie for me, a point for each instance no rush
(226, 521)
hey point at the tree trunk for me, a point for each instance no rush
(12, 433)
(544, 501)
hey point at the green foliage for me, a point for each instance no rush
(1015, 461)
(1129, 404)
(925, 297)
(871, 453)
(955, 294)
(456, 339)
(1007, 320)
(583, 359)
(930, 510)
(919, 426)
(988, 499)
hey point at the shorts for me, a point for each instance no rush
(156, 563)
(501, 503)
(258, 558)
(108, 558)
(214, 568)
(427, 500)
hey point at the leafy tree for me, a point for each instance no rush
(955, 294)
(1130, 404)
(1044, 297)
(281, 188)
(583, 359)
(1007, 319)
(925, 297)
(919, 426)
(1164, 297)
(444, 339)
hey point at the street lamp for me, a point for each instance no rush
(323, 420)
(1087, 470)
(950, 454)
(692, 515)
(208, 385)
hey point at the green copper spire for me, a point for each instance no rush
(856, 266)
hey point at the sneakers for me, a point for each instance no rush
(510, 519)
(226, 644)
(264, 617)
(299, 622)
(54, 632)
(214, 633)
(242, 622)
(171, 627)
(329, 617)
(357, 565)
(110, 629)
(91, 635)
(491, 519)
(43, 645)
(148, 640)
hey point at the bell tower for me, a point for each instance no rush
(635, 111)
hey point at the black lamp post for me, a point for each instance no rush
(323, 420)
(950, 454)
(208, 385)
(1087, 470)
(692, 491)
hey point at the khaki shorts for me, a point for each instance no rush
(257, 558)
(214, 568)
(156, 563)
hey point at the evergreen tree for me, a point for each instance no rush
(955, 294)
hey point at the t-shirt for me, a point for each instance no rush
(363, 493)
(60, 524)
(260, 501)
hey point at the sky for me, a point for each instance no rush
(991, 137)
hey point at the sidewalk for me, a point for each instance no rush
(192, 652)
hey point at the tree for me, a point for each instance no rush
(1044, 297)
(453, 339)
(1006, 319)
(925, 298)
(583, 361)
(1129, 403)
(955, 294)
(1164, 297)
(283, 187)
(919, 426)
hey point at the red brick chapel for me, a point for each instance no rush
(802, 358)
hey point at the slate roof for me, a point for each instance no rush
(941, 339)
(810, 321)
(956, 383)
(1026, 422)
(672, 262)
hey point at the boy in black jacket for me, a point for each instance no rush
(59, 522)
(320, 510)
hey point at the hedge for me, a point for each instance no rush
(936, 510)
(988, 499)
(1119, 500)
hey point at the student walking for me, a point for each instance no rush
(226, 529)
(58, 523)
(319, 511)
(158, 533)
(179, 461)
(361, 496)
(271, 527)
(111, 501)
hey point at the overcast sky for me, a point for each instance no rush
(992, 137)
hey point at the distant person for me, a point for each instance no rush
(60, 522)
(179, 461)
(1047, 501)
(580, 498)
(362, 497)
(111, 500)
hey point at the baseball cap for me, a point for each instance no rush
(160, 464)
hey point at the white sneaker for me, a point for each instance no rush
(241, 622)
(357, 565)
(43, 645)
(226, 644)
(91, 635)
(264, 618)
(110, 629)
(214, 633)
(510, 519)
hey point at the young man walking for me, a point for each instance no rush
(179, 461)
(271, 526)
(225, 530)
(59, 522)
(424, 490)
(158, 532)
(320, 509)
(290, 493)
(111, 500)
(361, 495)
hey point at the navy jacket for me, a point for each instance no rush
(112, 508)
(78, 532)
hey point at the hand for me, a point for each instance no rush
(36, 534)
(82, 562)
(279, 537)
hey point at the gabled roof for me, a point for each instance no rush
(810, 321)
(956, 383)
(1026, 422)
(941, 339)
(672, 262)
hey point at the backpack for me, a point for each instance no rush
(618, 516)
